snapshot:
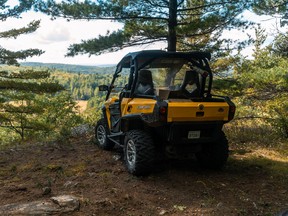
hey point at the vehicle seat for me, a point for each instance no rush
(191, 84)
(145, 83)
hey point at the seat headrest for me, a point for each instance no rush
(145, 76)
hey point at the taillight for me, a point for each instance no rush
(163, 110)
(162, 113)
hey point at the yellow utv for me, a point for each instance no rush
(164, 109)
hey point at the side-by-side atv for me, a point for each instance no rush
(164, 109)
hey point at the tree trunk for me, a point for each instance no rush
(172, 23)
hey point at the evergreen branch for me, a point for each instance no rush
(181, 2)
(144, 42)
(10, 57)
(184, 15)
(153, 4)
(12, 127)
(120, 18)
(30, 87)
(13, 33)
(21, 109)
(27, 74)
(24, 5)
(91, 11)
(110, 43)
(16, 129)
(206, 6)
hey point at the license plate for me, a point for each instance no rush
(193, 134)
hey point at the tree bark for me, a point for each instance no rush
(172, 23)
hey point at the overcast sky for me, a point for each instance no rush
(54, 37)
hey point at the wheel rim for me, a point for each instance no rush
(131, 153)
(101, 134)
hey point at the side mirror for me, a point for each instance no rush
(103, 88)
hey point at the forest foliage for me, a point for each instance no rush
(31, 104)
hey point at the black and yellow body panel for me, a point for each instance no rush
(111, 107)
(158, 112)
(137, 106)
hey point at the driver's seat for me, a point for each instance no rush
(145, 83)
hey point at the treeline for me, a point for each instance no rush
(80, 80)
(85, 86)
(82, 86)
(69, 68)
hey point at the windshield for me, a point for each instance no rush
(173, 74)
(167, 72)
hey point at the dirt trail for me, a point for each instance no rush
(104, 187)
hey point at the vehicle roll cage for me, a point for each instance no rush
(198, 62)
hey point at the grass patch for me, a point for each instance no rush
(271, 161)
(254, 144)
(54, 168)
(255, 131)
(76, 170)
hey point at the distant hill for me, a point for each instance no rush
(84, 69)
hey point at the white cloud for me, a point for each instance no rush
(54, 37)
(55, 34)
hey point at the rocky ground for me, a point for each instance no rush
(99, 180)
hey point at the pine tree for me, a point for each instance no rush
(280, 45)
(182, 24)
(18, 91)
(19, 88)
(12, 57)
(277, 8)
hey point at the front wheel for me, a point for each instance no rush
(214, 155)
(101, 132)
(139, 152)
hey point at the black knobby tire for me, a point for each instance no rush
(101, 132)
(139, 152)
(214, 155)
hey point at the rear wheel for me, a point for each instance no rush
(214, 155)
(139, 152)
(101, 132)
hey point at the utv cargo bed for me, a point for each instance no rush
(195, 111)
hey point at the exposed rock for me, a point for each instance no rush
(46, 190)
(70, 184)
(55, 205)
(67, 202)
(163, 212)
(80, 130)
(117, 157)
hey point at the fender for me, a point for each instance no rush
(131, 121)
(154, 119)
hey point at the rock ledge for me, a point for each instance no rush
(54, 205)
